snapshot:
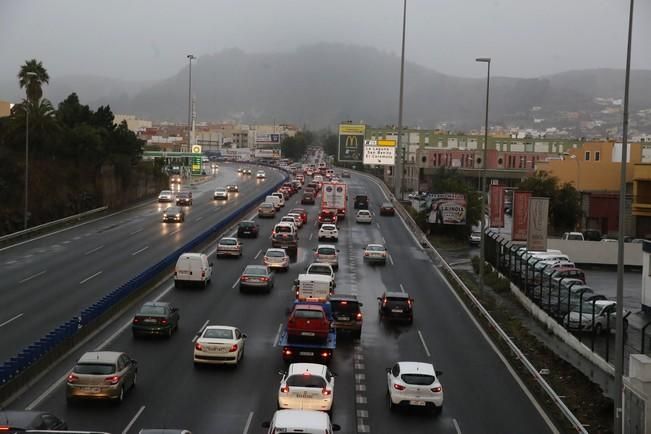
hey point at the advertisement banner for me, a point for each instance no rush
(196, 160)
(448, 209)
(267, 139)
(351, 143)
(380, 152)
(537, 227)
(496, 212)
(267, 153)
(520, 219)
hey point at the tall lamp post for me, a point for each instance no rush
(619, 315)
(397, 176)
(26, 108)
(482, 242)
(190, 57)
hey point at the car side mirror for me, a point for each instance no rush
(361, 304)
(337, 250)
(388, 370)
(439, 373)
(244, 336)
(379, 298)
(336, 427)
(267, 424)
(281, 372)
(134, 362)
(211, 264)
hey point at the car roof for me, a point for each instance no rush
(375, 245)
(416, 368)
(305, 419)
(191, 255)
(20, 418)
(172, 207)
(256, 267)
(216, 327)
(247, 222)
(329, 246)
(312, 368)
(314, 277)
(299, 210)
(305, 306)
(396, 294)
(319, 264)
(363, 211)
(228, 238)
(100, 356)
(329, 224)
(343, 297)
(156, 304)
(273, 249)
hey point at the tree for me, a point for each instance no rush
(33, 84)
(330, 144)
(295, 147)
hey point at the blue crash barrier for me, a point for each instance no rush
(34, 352)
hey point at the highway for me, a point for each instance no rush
(49, 280)
(481, 394)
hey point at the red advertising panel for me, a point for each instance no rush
(497, 206)
(520, 215)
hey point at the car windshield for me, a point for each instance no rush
(165, 192)
(328, 227)
(364, 213)
(283, 229)
(306, 380)
(182, 195)
(375, 248)
(152, 310)
(172, 210)
(326, 251)
(255, 270)
(247, 224)
(417, 379)
(220, 190)
(308, 314)
(319, 269)
(275, 254)
(267, 205)
(218, 334)
(228, 242)
(387, 205)
(344, 306)
(94, 368)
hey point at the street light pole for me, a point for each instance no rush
(190, 57)
(619, 315)
(482, 242)
(397, 176)
(26, 108)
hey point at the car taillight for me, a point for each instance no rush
(198, 346)
(287, 352)
(113, 379)
(399, 387)
(72, 378)
(358, 317)
(325, 354)
(384, 302)
(436, 389)
(409, 302)
(203, 274)
(284, 389)
(136, 320)
(233, 348)
(244, 278)
(366, 253)
(264, 279)
(164, 321)
(326, 392)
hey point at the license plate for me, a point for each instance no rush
(344, 318)
(91, 389)
(306, 353)
(419, 403)
(150, 320)
(183, 272)
(396, 310)
(307, 334)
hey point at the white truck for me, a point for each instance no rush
(334, 196)
(313, 287)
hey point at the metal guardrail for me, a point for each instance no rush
(52, 223)
(43, 348)
(553, 396)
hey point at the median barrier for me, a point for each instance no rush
(16, 372)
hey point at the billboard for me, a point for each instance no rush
(196, 160)
(351, 142)
(496, 212)
(267, 153)
(448, 209)
(537, 224)
(520, 215)
(267, 139)
(380, 152)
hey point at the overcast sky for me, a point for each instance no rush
(149, 39)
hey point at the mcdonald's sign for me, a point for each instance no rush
(351, 142)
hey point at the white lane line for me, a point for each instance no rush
(257, 254)
(128, 427)
(194, 339)
(280, 329)
(248, 423)
(139, 251)
(94, 250)
(402, 288)
(11, 319)
(311, 235)
(422, 341)
(27, 279)
(391, 260)
(198, 218)
(456, 425)
(384, 241)
(90, 277)
(135, 232)
(235, 284)
(378, 225)
(176, 231)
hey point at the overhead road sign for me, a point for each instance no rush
(381, 155)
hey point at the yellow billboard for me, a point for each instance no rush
(352, 129)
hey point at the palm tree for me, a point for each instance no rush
(32, 76)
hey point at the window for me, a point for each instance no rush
(597, 156)
(423, 159)
(587, 155)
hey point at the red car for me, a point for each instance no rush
(308, 321)
(302, 212)
(327, 216)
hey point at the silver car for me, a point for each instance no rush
(228, 246)
(102, 374)
(276, 258)
(327, 254)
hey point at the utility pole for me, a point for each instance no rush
(482, 243)
(397, 176)
(190, 57)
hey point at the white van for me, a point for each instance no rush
(192, 269)
(280, 197)
(300, 421)
(313, 287)
(273, 199)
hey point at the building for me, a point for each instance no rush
(133, 123)
(5, 108)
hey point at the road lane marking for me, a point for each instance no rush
(198, 218)
(456, 426)
(194, 339)
(176, 231)
(235, 284)
(257, 254)
(402, 288)
(422, 341)
(139, 251)
(90, 277)
(94, 250)
(135, 232)
(378, 225)
(391, 260)
(126, 430)
(280, 329)
(27, 279)
(248, 423)
(384, 241)
(11, 319)
(311, 235)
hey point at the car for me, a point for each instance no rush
(347, 313)
(290, 220)
(155, 318)
(267, 209)
(173, 214)
(306, 386)
(345, 174)
(387, 209)
(414, 384)
(396, 306)
(219, 345)
(308, 321)
(361, 201)
(605, 316)
(300, 421)
(16, 421)
(257, 277)
(284, 236)
(364, 216)
(375, 254)
(232, 188)
(302, 212)
(285, 192)
(297, 217)
(102, 375)
(327, 216)
(260, 174)
(328, 231)
(247, 228)
(166, 196)
(321, 268)
(220, 194)
(280, 196)
(184, 198)
(175, 179)
(240, 170)
(328, 254)
(247, 172)
(229, 246)
(276, 258)
(192, 268)
(475, 238)
(308, 198)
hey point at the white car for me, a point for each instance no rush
(276, 258)
(375, 253)
(297, 218)
(319, 268)
(220, 194)
(328, 231)
(327, 254)
(166, 196)
(290, 221)
(364, 216)
(260, 174)
(218, 345)
(414, 384)
(229, 246)
(281, 197)
(307, 386)
(603, 309)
